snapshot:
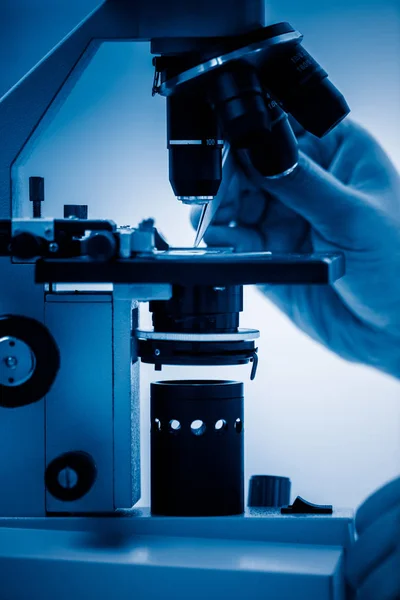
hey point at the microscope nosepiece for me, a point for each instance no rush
(247, 87)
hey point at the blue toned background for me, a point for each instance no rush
(334, 428)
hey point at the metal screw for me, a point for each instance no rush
(218, 289)
(53, 247)
(67, 478)
(157, 352)
(11, 362)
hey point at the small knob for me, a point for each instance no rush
(77, 211)
(101, 245)
(36, 195)
(71, 476)
(269, 491)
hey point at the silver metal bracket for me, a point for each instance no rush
(43, 228)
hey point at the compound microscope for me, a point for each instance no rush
(69, 360)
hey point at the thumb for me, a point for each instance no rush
(242, 239)
(337, 212)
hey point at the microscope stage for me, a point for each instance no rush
(197, 267)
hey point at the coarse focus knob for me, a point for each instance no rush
(101, 246)
(269, 491)
(29, 361)
(27, 246)
(71, 476)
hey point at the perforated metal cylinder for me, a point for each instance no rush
(197, 448)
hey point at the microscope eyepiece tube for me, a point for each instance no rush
(295, 78)
(197, 448)
(195, 149)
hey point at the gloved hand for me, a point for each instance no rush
(373, 562)
(343, 196)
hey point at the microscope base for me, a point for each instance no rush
(133, 556)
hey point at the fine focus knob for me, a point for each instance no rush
(29, 361)
(71, 476)
(269, 491)
(26, 246)
(101, 246)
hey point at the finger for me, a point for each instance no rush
(283, 239)
(373, 170)
(284, 230)
(361, 162)
(383, 583)
(383, 500)
(312, 147)
(321, 150)
(351, 154)
(243, 201)
(252, 205)
(340, 214)
(224, 215)
(377, 542)
(356, 146)
(242, 239)
(247, 207)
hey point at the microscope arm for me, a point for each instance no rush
(23, 108)
(33, 101)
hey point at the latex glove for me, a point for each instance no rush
(343, 196)
(373, 562)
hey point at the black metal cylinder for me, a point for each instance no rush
(197, 448)
(239, 100)
(199, 309)
(195, 147)
(252, 120)
(269, 491)
(302, 86)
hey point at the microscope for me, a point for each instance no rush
(69, 357)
